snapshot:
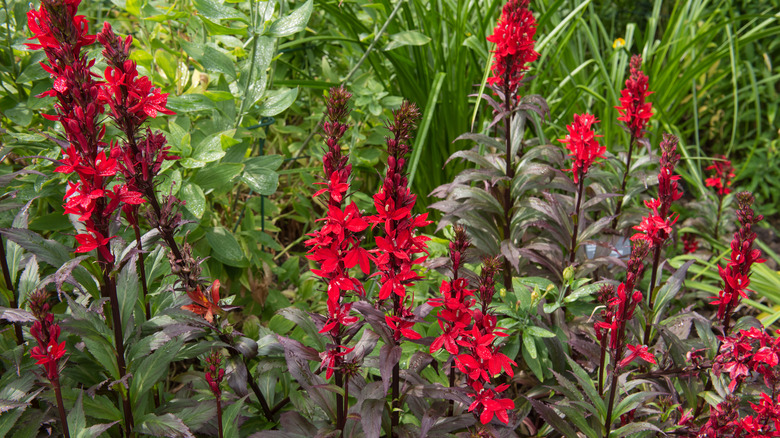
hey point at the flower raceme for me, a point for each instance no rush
(514, 39)
(581, 142)
(205, 305)
(736, 274)
(634, 110)
(722, 175)
(215, 373)
(46, 332)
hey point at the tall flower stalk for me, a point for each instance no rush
(736, 274)
(514, 39)
(585, 149)
(336, 246)
(62, 35)
(398, 246)
(612, 329)
(723, 174)
(635, 111)
(656, 227)
(49, 351)
(214, 375)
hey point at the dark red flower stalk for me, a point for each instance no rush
(62, 35)
(482, 360)
(514, 39)
(656, 227)
(721, 180)
(214, 375)
(613, 327)
(49, 351)
(398, 245)
(336, 246)
(690, 244)
(634, 109)
(736, 274)
(585, 149)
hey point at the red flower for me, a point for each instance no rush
(634, 110)
(215, 373)
(654, 228)
(489, 405)
(514, 39)
(639, 351)
(581, 142)
(46, 332)
(94, 240)
(722, 177)
(203, 305)
(690, 244)
(330, 358)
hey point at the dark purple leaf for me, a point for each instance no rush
(389, 355)
(16, 315)
(298, 356)
(49, 251)
(371, 416)
(480, 139)
(293, 422)
(552, 418)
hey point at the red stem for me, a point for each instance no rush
(61, 407)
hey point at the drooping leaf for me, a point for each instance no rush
(292, 23)
(225, 247)
(167, 425)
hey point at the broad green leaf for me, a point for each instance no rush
(28, 282)
(260, 174)
(219, 177)
(167, 425)
(215, 10)
(229, 419)
(225, 247)
(189, 103)
(149, 370)
(167, 63)
(195, 200)
(76, 420)
(539, 332)
(292, 23)
(278, 102)
(127, 291)
(211, 58)
(407, 38)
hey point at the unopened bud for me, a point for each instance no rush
(568, 273)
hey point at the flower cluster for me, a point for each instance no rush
(722, 175)
(634, 109)
(657, 226)
(454, 313)
(690, 244)
(215, 373)
(514, 39)
(336, 246)
(737, 271)
(619, 308)
(49, 351)
(482, 360)
(581, 142)
(205, 305)
(62, 35)
(398, 247)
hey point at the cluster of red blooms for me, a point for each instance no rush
(581, 142)
(723, 174)
(62, 35)
(215, 373)
(634, 109)
(398, 247)
(481, 360)
(737, 271)
(132, 100)
(336, 246)
(514, 39)
(657, 226)
(454, 313)
(49, 350)
(690, 244)
(751, 351)
(204, 305)
(619, 309)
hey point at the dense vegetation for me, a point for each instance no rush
(411, 218)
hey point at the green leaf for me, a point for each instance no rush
(588, 289)
(189, 102)
(292, 23)
(195, 200)
(219, 177)
(225, 247)
(210, 148)
(167, 63)
(28, 282)
(229, 423)
(76, 420)
(149, 370)
(216, 10)
(539, 332)
(632, 428)
(278, 102)
(167, 425)
(19, 115)
(407, 38)
(127, 291)
(211, 58)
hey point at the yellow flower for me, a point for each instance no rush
(620, 42)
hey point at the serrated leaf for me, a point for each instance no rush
(127, 291)
(230, 417)
(633, 428)
(294, 22)
(29, 279)
(147, 371)
(552, 418)
(167, 425)
(303, 321)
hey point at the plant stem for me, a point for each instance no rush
(142, 266)
(575, 232)
(602, 365)
(346, 403)
(396, 380)
(61, 407)
(109, 287)
(625, 180)
(717, 219)
(340, 419)
(651, 295)
(219, 416)
(510, 173)
(10, 285)
(452, 385)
